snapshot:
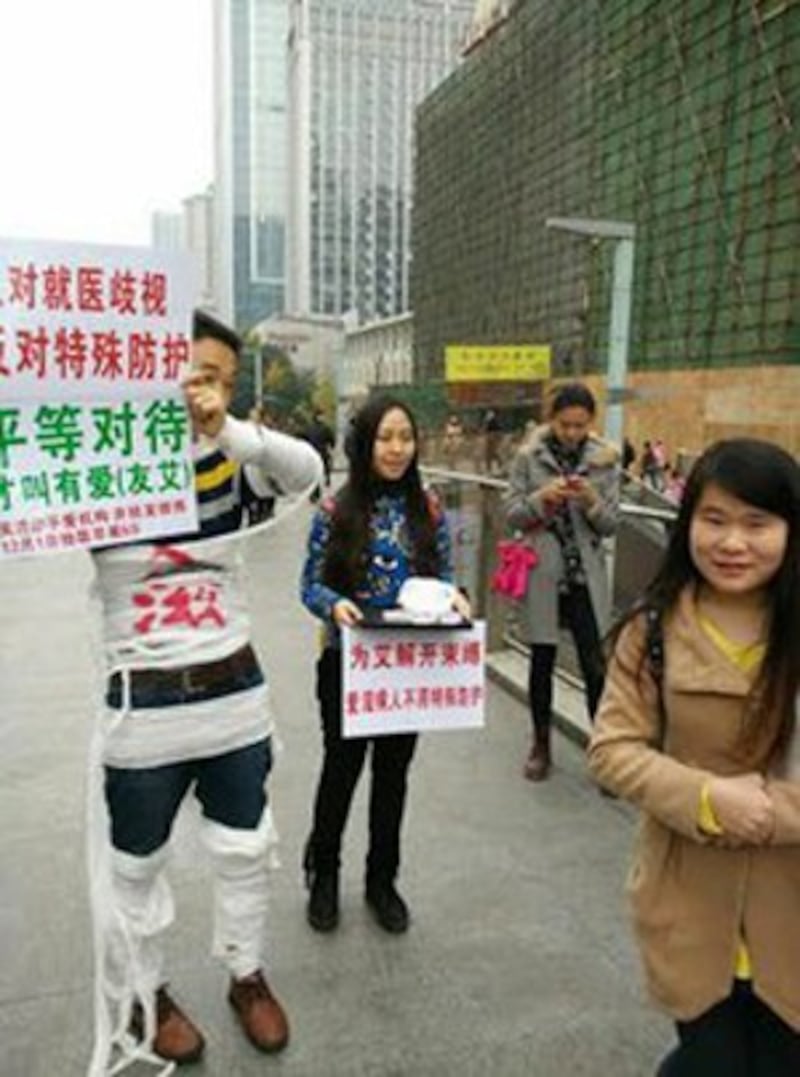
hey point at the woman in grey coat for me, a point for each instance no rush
(564, 496)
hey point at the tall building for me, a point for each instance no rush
(314, 128)
(166, 230)
(250, 142)
(198, 234)
(594, 111)
(357, 70)
(192, 230)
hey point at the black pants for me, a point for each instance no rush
(739, 1037)
(576, 614)
(342, 764)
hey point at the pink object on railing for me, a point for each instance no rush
(516, 560)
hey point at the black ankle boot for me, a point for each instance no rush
(386, 905)
(322, 911)
(537, 765)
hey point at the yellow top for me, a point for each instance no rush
(747, 656)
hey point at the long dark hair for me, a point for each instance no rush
(764, 475)
(346, 557)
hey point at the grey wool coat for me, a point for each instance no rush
(534, 466)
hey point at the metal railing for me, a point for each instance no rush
(473, 504)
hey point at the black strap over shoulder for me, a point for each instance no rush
(654, 645)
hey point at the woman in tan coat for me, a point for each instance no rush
(697, 726)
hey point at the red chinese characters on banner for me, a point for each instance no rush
(371, 701)
(57, 284)
(122, 292)
(69, 530)
(32, 352)
(107, 356)
(154, 294)
(403, 680)
(175, 355)
(95, 341)
(71, 354)
(90, 289)
(142, 356)
(410, 655)
(22, 285)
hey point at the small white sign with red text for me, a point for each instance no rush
(95, 440)
(404, 680)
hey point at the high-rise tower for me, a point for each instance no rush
(357, 70)
(314, 131)
(250, 142)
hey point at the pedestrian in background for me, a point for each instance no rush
(319, 434)
(563, 496)
(258, 501)
(652, 465)
(493, 438)
(698, 728)
(380, 529)
(674, 484)
(452, 441)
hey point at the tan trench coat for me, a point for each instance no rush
(691, 898)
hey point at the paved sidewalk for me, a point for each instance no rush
(519, 960)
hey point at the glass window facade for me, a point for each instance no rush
(370, 62)
(259, 165)
(370, 65)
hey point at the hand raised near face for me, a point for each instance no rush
(207, 403)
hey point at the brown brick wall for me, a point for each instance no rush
(688, 409)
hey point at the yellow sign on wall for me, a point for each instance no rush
(497, 362)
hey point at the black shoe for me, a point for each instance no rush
(388, 908)
(322, 911)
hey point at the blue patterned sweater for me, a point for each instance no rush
(389, 558)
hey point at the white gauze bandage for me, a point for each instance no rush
(240, 860)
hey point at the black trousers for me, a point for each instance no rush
(739, 1037)
(576, 614)
(343, 761)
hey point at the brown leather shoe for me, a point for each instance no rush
(260, 1014)
(177, 1038)
(537, 765)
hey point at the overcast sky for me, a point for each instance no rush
(106, 115)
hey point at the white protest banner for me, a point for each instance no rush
(95, 441)
(403, 680)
